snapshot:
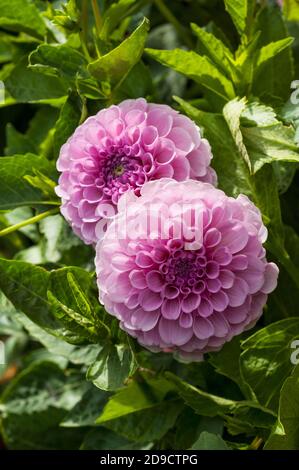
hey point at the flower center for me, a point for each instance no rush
(184, 268)
(119, 170)
(115, 167)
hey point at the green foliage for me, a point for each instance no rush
(15, 189)
(115, 66)
(266, 362)
(285, 435)
(209, 441)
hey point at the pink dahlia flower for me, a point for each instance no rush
(122, 148)
(185, 294)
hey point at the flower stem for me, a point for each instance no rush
(256, 443)
(97, 15)
(84, 29)
(181, 30)
(31, 220)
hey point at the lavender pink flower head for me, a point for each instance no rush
(120, 149)
(190, 288)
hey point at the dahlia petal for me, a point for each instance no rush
(197, 164)
(155, 281)
(205, 308)
(181, 168)
(190, 303)
(143, 320)
(150, 301)
(171, 309)
(226, 278)
(203, 328)
(143, 260)
(212, 269)
(219, 301)
(271, 275)
(171, 292)
(222, 256)
(237, 293)
(235, 239)
(181, 139)
(221, 327)
(172, 334)
(186, 320)
(212, 238)
(166, 152)
(213, 285)
(137, 279)
(239, 262)
(161, 121)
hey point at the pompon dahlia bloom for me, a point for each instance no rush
(121, 148)
(186, 294)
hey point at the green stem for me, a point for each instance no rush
(97, 15)
(32, 220)
(182, 32)
(256, 443)
(84, 29)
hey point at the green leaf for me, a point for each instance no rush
(15, 191)
(8, 323)
(103, 439)
(281, 304)
(285, 435)
(113, 366)
(115, 66)
(209, 441)
(68, 120)
(138, 83)
(143, 411)
(226, 363)
(198, 68)
(274, 80)
(239, 11)
(40, 130)
(204, 403)
(86, 411)
(59, 60)
(275, 143)
(136, 396)
(214, 49)
(37, 400)
(260, 144)
(258, 114)
(83, 329)
(22, 16)
(25, 85)
(147, 425)
(265, 362)
(73, 296)
(232, 112)
(291, 10)
(18, 143)
(271, 50)
(75, 354)
(27, 287)
(115, 13)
